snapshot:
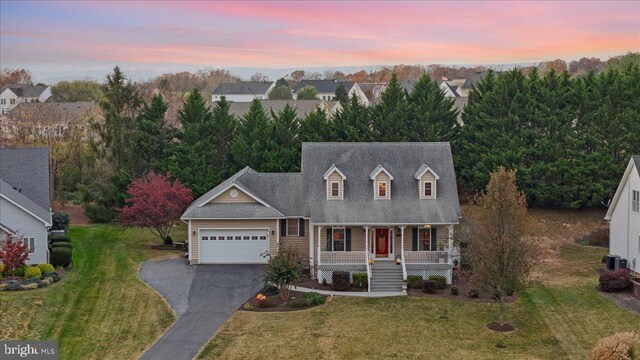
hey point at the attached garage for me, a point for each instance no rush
(233, 246)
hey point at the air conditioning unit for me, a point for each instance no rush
(611, 261)
(621, 263)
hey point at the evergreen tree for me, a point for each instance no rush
(285, 154)
(225, 125)
(307, 93)
(252, 141)
(315, 127)
(342, 94)
(431, 115)
(154, 137)
(352, 122)
(390, 117)
(194, 160)
(280, 92)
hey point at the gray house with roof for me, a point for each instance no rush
(387, 210)
(13, 94)
(25, 209)
(327, 89)
(244, 91)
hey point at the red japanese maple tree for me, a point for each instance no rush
(13, 253)
(156, 203)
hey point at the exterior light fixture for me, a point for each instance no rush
(398, 260)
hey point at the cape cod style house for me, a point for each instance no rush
(624, 217)
(393, 203)
(25, 209)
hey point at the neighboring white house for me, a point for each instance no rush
(13, 94)
(25, 208)
(327, 89)
(624, 217)
(243, 91)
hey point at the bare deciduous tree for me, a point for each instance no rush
(500, 250)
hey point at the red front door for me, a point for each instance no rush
(382, 242)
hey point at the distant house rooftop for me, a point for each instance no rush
(302, 107)
(244, 88)
(323, 86)
(25, 90)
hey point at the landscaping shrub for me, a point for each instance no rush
(12, 286)
(414, 281)
(313, 298)
(360, 280)
(167, 240)
(604, 259)
(46, 268)
(1, 270)
(60, 221)
(454, 290)
(297, 303)
(266, 303)
(270, 290)
(54, 275)
(616, 280)
(599, 237)
(340, 280)
(324, 282)
(32, 272)
(623, 345)
(19, 271)
(429, 286)
(441, 281)
(474, 293)
(60, 256)
(247, 307)
(29, 286)
(59, 238)
(61, 244)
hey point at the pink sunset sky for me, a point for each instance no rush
(155, 35)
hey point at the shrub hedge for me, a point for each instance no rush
(360, 280)
(414, 281)
(60, 256)
(454, 290)
(340, 280)
(270, 290)
(59, 238)
(61, 244)
(46, 268)
(429, 286)
(441, 281)
(32, 272)
(614, 281)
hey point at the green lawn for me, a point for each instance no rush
(100, 310)
(561, 318)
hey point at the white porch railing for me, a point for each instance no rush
(426, 257)
(343, 257)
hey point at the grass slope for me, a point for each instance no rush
(560, 317)
(100, 310)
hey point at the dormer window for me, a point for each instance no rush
(381, 183)
(427, 182)
(335, 183)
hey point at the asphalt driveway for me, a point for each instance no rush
(203, 296)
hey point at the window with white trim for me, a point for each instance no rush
(427, 189)
(30, 242)
(293, 227)
(334, 190)
(635, 200)
(424, 239)
(382, 189)
(338, 238)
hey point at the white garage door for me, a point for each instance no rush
(237, 246)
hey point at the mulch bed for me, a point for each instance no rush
(464, 285)
(496, 326)
(279, 305)
(314, 284)
(164, 247)
(624, 299)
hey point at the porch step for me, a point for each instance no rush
(386, 276)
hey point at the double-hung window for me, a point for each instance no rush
(424, 239)
(635, 200)
(30, 242)
(428, 189)
(338, 237)
(382, 189)
(293, 225)
(335, 189)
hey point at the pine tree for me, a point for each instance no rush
(342, 94)
(432, 116)
(225, 125)
(390, 117)
(315, 127)
(153, 137)
(252, 140)
(285, 154)
(352, 122)
(195, 154)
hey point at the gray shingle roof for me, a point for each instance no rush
(21, 199)
(27, 169)
(25, 90)
(64, 112)
(323, 86)
(636, 159)
(357, 160)
(234, 211)
(303, 107)
(245, 87)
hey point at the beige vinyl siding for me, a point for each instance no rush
(382, 176)
(230, 224)
(428, 176)
(335, 176)
(298, 243)
(442, 238)
(357, 238)
(226, 197)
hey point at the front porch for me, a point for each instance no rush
(402, 250)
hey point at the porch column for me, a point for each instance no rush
(278, 235)
(319, 241)
(366, 242)
(311, 257)
(450, 249)
(402, 242)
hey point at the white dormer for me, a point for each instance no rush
(381, 183)
(427, 182)
(335, 183)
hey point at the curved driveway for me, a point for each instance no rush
(203, 296)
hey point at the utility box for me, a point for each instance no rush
(611, 261)
(621, 263)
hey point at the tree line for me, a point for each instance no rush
(568, 138)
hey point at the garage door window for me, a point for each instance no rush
(205, 238)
